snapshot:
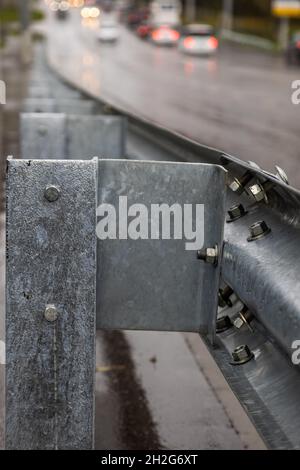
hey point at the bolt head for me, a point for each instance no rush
(238, 322)
(236, 186)
(258, 230)
(52, 193)
(42, 130)
(257, 192)
(236, 211)
(223, 323)
(51, 313)
(242, 354)
(211, 255)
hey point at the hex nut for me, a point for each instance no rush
(238, 322)
(236, 186)
(257, 192)
(236, 212)
(51, 313)
(209, 255)
(224, 297)
(241, 355)
(51, 193)
(258, 230)
(223, 324)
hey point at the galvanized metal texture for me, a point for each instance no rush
(50, 305)
(158, 284)
(268, 386)
(43, 136)
(72, 137)
(59, 105)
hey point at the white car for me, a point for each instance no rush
(198, 40)
(108, 32)
(164, 35)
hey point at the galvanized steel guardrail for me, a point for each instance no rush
(60, 278)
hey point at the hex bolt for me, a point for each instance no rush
(51, 313)
(209, 255)
(224, 297)
(244, 318)
(42, 130)
(51, 193)
(223, 324)
(258, 193)
(241, 355)
(236, 212)
(238, 185)
(258, 230)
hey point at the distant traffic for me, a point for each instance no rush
(161, 25)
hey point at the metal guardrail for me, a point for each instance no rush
(45, 135)
(259, 297)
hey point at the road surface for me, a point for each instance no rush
(239, 101)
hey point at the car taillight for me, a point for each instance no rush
(298, 44)
(156, 34)
(174, 34)
(189, 42)
(213, 42)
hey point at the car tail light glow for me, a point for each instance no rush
(213, 42)
(163, 33)
(189, 42)
(156, 34)
(174, 34)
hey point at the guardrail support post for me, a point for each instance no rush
(50, 312)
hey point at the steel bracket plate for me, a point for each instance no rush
(71, 137)
(157, 284)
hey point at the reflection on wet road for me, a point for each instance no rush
(239, 101)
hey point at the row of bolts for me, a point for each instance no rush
(242, 354)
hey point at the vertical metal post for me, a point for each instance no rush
(190, 10)
(283, 33)
(26, 53)
(24, 14)
(50, 304)
(227, 15)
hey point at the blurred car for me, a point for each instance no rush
(134, 18)
(293, 50)
(198, 40)
(164, 35)
(62, 14)
(108, 32)
(62, 10)
(143, 30)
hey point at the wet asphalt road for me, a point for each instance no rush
(239, 101)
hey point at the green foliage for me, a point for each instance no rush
(37, 15)
(9, 15)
